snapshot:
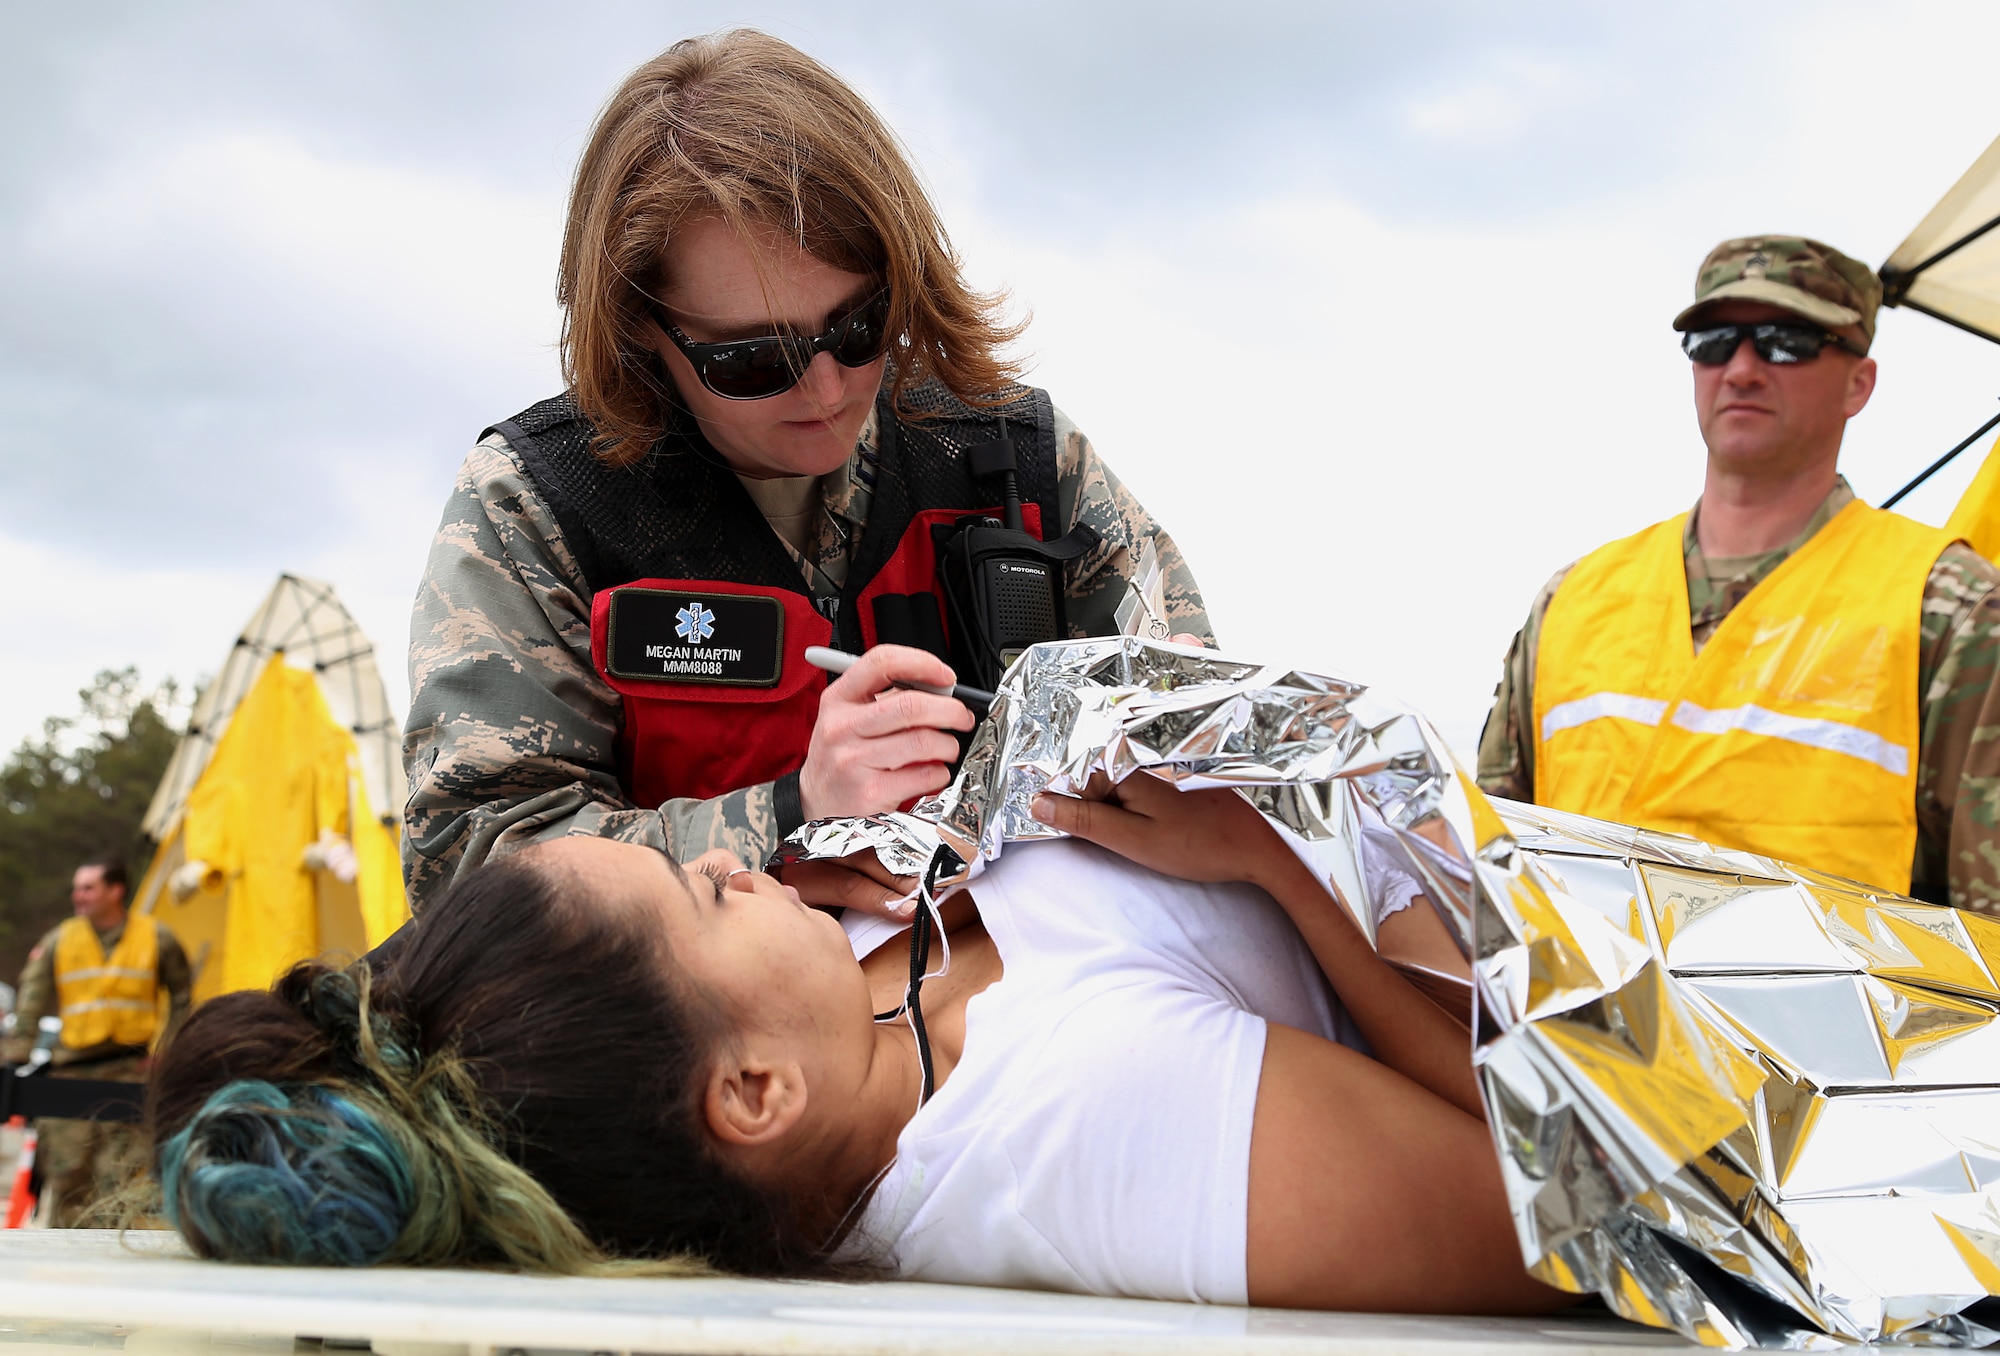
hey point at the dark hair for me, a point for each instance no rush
(518, 1087)
(746, 127)
(110, 869)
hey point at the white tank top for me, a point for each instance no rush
(1095, 1136)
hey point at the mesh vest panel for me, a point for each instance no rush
(680, 513)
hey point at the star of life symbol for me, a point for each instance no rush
(694, 624)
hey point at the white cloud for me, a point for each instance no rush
(170, 621)
(1515, 90)
(427, 263)
(390, 279)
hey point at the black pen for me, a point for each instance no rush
(978, 699)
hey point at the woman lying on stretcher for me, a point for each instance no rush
(586, 1052)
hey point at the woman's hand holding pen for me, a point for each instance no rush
(879, 741)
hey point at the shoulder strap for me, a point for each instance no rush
(922, 448)
(543, 436)
(1037, 454)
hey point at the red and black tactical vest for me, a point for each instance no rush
(699, 615)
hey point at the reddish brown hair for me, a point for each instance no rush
(747, 128)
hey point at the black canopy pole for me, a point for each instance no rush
(1940, 463)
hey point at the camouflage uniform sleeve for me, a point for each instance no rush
(512, 736)
(1087, 491)
(1507, 743)
(177, 978)
(1958, 750)
(35, 998)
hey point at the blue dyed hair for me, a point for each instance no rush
(311, 1177)
(382, 1156)
(516, 1086)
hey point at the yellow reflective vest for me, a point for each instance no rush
(108, 998)
(1794, 732)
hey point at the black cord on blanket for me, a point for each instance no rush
(922, 927)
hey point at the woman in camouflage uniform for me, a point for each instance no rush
(727, 488)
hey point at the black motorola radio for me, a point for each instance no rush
(1003, 587)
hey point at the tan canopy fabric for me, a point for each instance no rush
(1950, 266)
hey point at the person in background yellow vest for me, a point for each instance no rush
(104, 972)
(1782, 668)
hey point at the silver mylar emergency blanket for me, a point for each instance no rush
(1735, 1098)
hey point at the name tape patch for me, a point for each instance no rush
(716, 638)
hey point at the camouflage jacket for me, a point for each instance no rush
(37, 997)
(513, 736)
(1958, 748)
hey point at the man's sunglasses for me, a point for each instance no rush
(755, 369)
(1774, 343)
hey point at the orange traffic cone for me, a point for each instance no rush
(21, 1200)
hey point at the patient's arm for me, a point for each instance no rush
(1405, 1029)
(1217, 836)
(1368, 1192)
(1416, 936)
(1373, 1185)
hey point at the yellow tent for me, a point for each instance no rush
(1977, 517)
(273, 842)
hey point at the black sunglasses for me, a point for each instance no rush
(1716, 345)
(756, 369)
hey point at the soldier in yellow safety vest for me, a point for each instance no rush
(1783, 668)
(104, 972)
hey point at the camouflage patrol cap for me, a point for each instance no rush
(1800, 275)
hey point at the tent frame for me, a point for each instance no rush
(1945, 460)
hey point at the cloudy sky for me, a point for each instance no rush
(1368, 302)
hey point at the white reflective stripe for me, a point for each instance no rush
(1830, 735)
(1597, 706)
(104, 972)
(98, 1004)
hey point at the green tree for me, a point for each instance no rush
(77, 790)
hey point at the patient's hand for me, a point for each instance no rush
(857, 881)
(1194, 835)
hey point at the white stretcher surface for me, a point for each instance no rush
(86, 1293)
